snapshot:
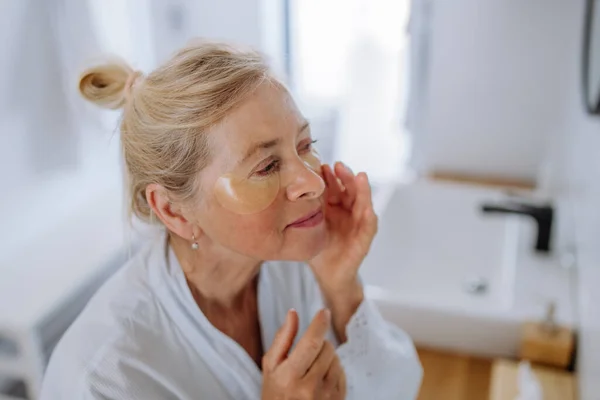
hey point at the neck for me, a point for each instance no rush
(217, 277)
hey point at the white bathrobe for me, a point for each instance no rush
(142, 336)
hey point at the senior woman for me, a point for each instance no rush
(252, 291)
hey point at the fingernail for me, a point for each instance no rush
(327, 315)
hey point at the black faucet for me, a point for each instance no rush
(542, 214)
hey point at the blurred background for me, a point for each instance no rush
(477, 122)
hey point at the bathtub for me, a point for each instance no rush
(456, 279)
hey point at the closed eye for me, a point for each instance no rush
(271, 168)
(308, 147)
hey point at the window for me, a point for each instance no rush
(57, 151)
(348, 71)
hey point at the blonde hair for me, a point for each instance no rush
(166, 114)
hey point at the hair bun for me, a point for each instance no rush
(107, 85)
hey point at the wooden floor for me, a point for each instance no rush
(454, 377)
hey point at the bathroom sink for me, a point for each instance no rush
(455, 278)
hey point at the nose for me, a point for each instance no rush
(305, 183)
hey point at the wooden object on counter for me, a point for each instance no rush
(551, 346)
(449, 376)
(556, 384)
(480, 180)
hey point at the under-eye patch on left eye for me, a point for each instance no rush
(244, 195)
(249, 195)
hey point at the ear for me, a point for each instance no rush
(169, 213)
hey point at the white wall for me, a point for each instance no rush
(504, 98)
(585, 169)
(495, 85)
(577, 169)
(572, 169)
(255, 23)
(26, 90)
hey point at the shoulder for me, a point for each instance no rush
(134, 363)
(120, 319)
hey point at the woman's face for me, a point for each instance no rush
(263, 182)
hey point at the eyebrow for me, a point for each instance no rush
(271, 143)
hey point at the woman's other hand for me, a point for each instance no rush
(351, 225)
(311, 371)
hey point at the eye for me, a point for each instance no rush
(269, 169)
(308, 147)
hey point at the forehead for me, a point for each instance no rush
(269, 113)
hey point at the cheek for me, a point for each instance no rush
(258, 234)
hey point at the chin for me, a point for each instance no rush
(307, 245)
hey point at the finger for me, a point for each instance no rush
(368, 227)
(340, 185)
(333, 188)
(334, 183)
(309, 346)
(334, 374)
(341, 386)
(348, 180)
(364, 199)
(322, 363)
(282, 343)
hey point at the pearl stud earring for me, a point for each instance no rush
(194, 243)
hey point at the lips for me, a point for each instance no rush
(311, 219)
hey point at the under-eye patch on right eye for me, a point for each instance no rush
(312, 160)
(244, 195)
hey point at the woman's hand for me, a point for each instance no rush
(312, 371)
(351, 224)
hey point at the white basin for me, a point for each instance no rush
(434, 244)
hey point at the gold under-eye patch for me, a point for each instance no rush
(312, 160)
(246, 195)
